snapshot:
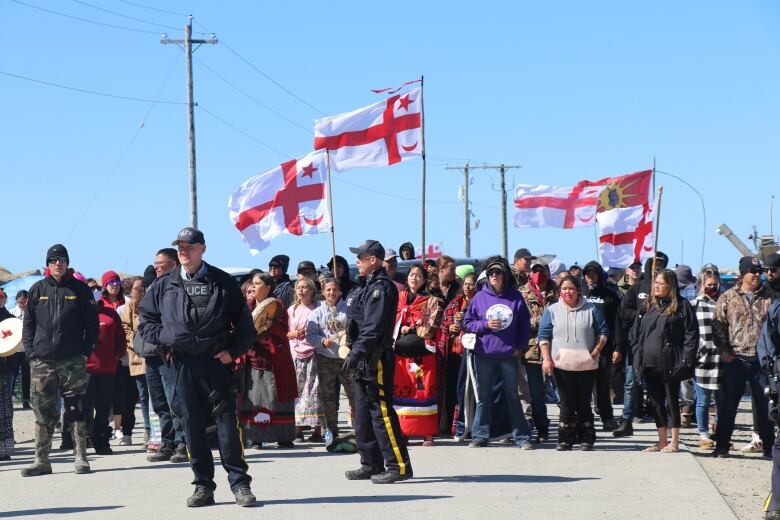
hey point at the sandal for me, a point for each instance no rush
(652, 448)
(669, 449)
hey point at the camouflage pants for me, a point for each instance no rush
(46, 377)
(329, 374)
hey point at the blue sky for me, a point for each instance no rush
(569, 90)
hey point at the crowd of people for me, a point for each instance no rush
(480, 353)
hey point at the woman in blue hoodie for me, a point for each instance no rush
(499, 318)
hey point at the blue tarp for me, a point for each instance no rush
(20, 284)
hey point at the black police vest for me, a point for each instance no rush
(199, 294)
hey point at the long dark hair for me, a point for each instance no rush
(670, 277)
(421, 267)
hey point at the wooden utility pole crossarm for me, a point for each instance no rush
(187, 42)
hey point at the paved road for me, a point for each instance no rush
(617, 480)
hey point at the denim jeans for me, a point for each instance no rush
(631, 393)
(704, 398)
(487, 371)
(143, 398)
(735, 375)
(538, 407)
(160, 382)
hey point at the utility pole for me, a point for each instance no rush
(502, 168)
(466, 209)
(187, 42)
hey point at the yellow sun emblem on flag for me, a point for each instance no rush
(611, 197)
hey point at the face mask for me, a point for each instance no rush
(539, 278)
(710, 291)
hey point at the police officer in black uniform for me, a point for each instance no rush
(769, 357)
(198, 313)
(371, 363)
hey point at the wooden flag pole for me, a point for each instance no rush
(330, 213)
(422, 127)
(657, 226)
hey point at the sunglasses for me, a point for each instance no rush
(60, 259)
(770, 269)
(114, 282)
(495, 272)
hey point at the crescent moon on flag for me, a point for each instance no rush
(313, 221)
(648, 249)
(409, 148)
(586, 219)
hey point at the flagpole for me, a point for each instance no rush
(653, 174)
(330, 213)
(422, 127)
(657, 225)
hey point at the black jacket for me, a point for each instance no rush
(372, 315)
(61, 319)
(668, 343)
(606, 300)
(285, 290)
(225, 325)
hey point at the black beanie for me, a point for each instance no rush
(57, 250)
(282, 261)
(150, 275)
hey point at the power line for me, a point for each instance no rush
(252, 98)
(248, 136)
(83, 19)
(93, 92)
(125, 151)
(152, 8)
(125, 16)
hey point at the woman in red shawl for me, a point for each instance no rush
(417, 322)
(268, 386)
(450, 353)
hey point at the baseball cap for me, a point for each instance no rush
(538, 263)
(773, 260)
(710, 267)
(369, 247)
(746, 263)
(306, 265)
(190, 235)
(662, 258)
(524, 253)
(390, 254)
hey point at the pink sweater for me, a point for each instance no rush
(298, 317)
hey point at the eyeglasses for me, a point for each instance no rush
(113, 283)
(60, 259)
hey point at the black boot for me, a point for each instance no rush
(392, 475)
(364, 473)
(587, 435)
(566, 437)
(626, 429)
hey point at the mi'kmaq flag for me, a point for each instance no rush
(290, 198)
(378, 135)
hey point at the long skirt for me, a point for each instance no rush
(6, 421)
(308, 407)
(265, 419)
(414, 397)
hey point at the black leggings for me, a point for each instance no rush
(574, 389)
(663, 394)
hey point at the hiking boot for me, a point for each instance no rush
(478, 443)
(706, 444)
(626, 429)
(772, 515)
(41, 466)
(391, 476)
(180, 454)
(609, 425)
(202, 496)
(163, 454)
(80, 462)
(244, 497)
(586, 446)
(364, 473)
(563, 446)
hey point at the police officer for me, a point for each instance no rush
(371, 362)
(60, 330)
(198, 312)
(769, 357)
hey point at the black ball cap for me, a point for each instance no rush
(189, 235)
(306, 265)
(524, 253)
(370, 247)
(746, 263)
(773, 260)
(57, 251)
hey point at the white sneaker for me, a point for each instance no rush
(118, 434)
(754, 447)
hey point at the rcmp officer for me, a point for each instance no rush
(769, 357)
(198, 313)
(60, 330)
(371, 362)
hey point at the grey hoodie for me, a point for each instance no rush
(572, 328)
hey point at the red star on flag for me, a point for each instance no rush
(309, 170)
(404, 102)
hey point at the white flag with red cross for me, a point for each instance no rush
(626, 235)
(552, 206)
(431, 251)
(381, 134)
(290, 198)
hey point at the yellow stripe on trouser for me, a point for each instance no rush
(240, 436)
(766, 502)
(388, 424)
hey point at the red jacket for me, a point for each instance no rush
(111, 344)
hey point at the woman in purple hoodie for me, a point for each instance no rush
(499, 318)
